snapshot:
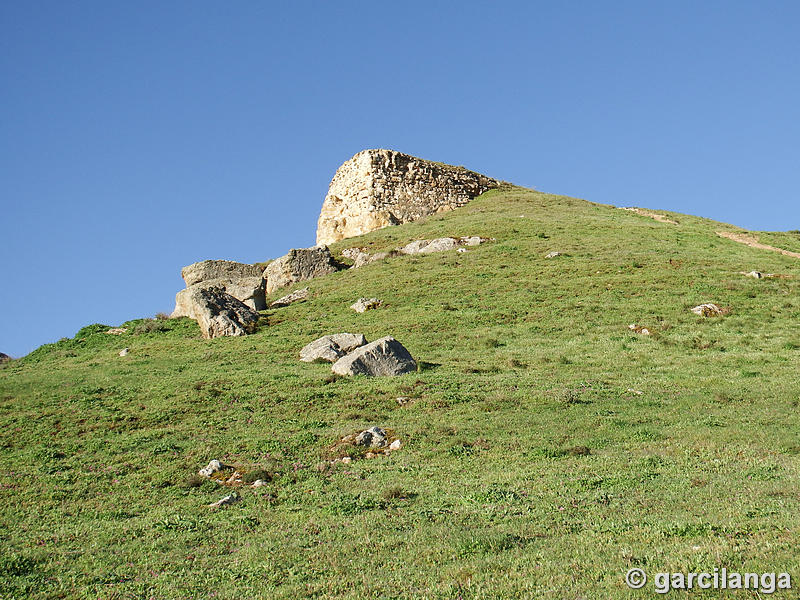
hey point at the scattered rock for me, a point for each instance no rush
(212, 467)
(553, 254)
(331, 348)
(472, 240)
(462, 250)
(361, 257)
(217, 269)
(364, 304)
(234, 479)
(218, 313)
(395, 445)
(299, 265)
(650, 214)
(379, 188)
(374, 437)
(403, 400)
(124, 351)
(296, 296)
(639, 329)
(754, 274)
(383, 357)
(429, 246)
(226, 501)
(346, 460)
(259, 483)
(117, 330)
(707, 310)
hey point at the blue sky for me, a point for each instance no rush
(140, 137)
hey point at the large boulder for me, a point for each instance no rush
(218, 313)
(299, 265)
(217, 269)
(330, 348)
(248, 290)
(382, 357)
(4, 358)
(377, 188)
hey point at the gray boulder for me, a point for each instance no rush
(330, 348)
(296, 296)
(299, 265)
(248, 290)
(383, 357)
(217, 269)
(374, 437)
(218, 313)
(4, 358)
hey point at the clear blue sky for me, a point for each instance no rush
(140, 137)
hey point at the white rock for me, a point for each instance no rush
(124, 352)
(226, 501)
(117, 330)
(395, 445)
(364, 304)
(211, 468)
(553, 254)
(259, 483)
(707, 310)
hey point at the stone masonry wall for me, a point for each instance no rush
(377, 188)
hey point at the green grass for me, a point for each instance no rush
(547, 449)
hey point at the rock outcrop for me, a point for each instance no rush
(218, 313)
(248, 290)
(4, 357)
(330, 348)
(383, 357)
(377, 188)
(242, 281)
(299, 265)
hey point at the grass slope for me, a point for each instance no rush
(547, 449)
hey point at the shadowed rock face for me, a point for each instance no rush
(377, 188)
(220, 314)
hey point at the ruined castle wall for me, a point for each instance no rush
(377, 188)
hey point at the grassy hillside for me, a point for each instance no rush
(547, 448)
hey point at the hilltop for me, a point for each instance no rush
(547, 447)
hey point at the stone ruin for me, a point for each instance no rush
(378, 188)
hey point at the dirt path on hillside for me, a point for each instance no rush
(749, 240)
(652, 215)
